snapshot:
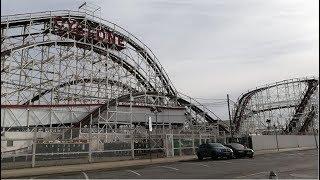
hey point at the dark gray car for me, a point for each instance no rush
(240, 150)
(214, 150)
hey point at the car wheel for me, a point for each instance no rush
(213, 156)
(251, 156)
(200, 157)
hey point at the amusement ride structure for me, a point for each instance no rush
(291, 106)
(72, 69)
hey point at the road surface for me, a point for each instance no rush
(292, 165)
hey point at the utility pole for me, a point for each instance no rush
(314, 134)
(268, 121)
(231, 124)
(157, 139)
(275, 130)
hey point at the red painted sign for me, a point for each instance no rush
(78, 30)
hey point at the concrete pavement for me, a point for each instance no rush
(15, 173)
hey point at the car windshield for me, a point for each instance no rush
(216, 145)
(237, 146)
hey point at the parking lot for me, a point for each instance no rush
(292, 165)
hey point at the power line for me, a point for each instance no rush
(214, 99)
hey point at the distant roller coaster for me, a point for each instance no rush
(74, 85)
(69, 68)
(291, 106)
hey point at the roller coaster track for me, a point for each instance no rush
(197, 110)
(244, 100)
(73, 82)
(86, 120)
(201, 112)
(45, 20)
(308, 120)
(127, 66)
(239, 116)
(46, 17)
(312, 86)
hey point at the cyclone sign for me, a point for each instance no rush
(75, 29)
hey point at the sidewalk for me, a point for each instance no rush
(15, 173)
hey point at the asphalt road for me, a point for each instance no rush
(289, 165)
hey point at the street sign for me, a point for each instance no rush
(150, 123)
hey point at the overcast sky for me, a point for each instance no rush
(213, 47)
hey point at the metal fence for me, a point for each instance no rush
(62, 146)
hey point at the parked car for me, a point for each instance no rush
(240, 150)
(213, 150)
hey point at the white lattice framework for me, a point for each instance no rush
(290, 105)
(59, 66)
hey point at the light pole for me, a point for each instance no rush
(149, 130)
(156, 110)
(275, 130)
(149, 145)
(314, 134)
(268, 121)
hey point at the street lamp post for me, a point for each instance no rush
(275, 130)
(268, 121)
(314, 134)
(149, 130)
(149, 144)
(156, 110)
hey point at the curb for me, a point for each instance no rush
(27, 172)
